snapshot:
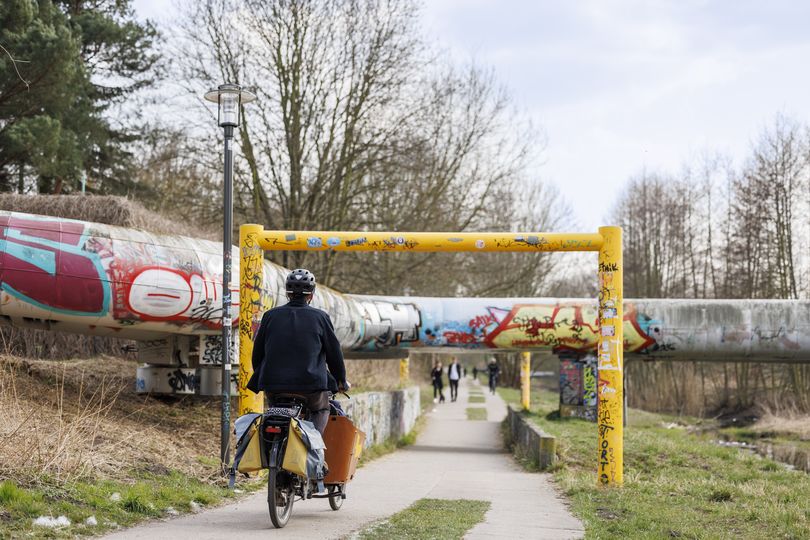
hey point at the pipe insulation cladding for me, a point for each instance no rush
(90, 278)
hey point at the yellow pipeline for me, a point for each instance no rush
(525, 380)
(252, 305)
(428, 241)
(610, 399)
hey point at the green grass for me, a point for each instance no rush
(430, 519)
(425, 396)
(476, 413)
(676, 484)
(476, 399)
(148, 496)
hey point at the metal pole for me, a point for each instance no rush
(610, 401)
(404, 371)
(526, 380)
(225, 449)
(253, 302)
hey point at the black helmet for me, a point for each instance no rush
(300, 282)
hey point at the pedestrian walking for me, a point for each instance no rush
(475, 373)
(493, 370)
(454, 372)
(438, 385)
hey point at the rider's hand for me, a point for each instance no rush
(344, 386)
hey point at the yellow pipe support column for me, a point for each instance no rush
(404, 371)
(253, 302)
(525, 380)
(610, 399)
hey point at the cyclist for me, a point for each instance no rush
(493, 370)
(294, 346)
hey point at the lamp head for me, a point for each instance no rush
(229, 97)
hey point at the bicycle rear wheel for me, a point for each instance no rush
(280, 497)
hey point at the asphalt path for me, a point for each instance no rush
(453, 458)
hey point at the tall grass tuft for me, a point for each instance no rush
(54, 437)
(707, 388)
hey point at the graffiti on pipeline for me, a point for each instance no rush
(87, 270)
(94, 278)
(572, 327)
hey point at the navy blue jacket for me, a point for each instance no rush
(293, 346)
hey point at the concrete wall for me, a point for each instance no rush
(529, 441)
(384, 415)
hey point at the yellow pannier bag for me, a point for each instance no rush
(295, 455)
(252, 458)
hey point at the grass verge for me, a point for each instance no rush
(113, 504)
(676, 483)
(476, 399)
(476, 413)
(430, 519)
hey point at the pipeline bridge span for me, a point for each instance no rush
(165, 292)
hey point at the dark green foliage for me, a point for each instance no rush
(62, 66)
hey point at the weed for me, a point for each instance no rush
(430, 519)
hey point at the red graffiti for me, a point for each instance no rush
(43, 262)
(482, 321)
(460, 338)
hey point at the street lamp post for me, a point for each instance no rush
(229, 98)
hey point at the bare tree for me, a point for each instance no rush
(359, 126)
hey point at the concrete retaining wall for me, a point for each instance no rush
(529, 441)
(384, 415)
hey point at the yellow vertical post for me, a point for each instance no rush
(253, 301)
(404, 371)
(610, 364)
(525, 380)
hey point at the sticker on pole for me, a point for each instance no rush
(606, 363)
(608, 330)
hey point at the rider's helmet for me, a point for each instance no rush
(300, 282)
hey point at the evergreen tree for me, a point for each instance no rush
(63, 64)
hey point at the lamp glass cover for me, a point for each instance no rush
(229, 109)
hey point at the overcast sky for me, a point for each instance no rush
(617, 86)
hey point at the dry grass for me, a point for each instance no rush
(81, 419)
(373, 374)
(106, 209)
(793, 423)
(33, 343)
(709, 389)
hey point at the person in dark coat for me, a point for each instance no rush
(493, 370)
(293, 347)
(438, 385)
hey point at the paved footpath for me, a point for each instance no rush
(453, 458)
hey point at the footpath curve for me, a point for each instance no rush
(453, 458)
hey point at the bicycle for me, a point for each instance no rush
(285, 487)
